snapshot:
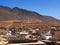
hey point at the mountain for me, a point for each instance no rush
(8, 14)
(16, 13)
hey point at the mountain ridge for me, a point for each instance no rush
(16, 13)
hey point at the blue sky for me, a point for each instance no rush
(44, 7)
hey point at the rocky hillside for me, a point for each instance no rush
(21, 15)
(15, 13)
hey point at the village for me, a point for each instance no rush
(29, 35)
